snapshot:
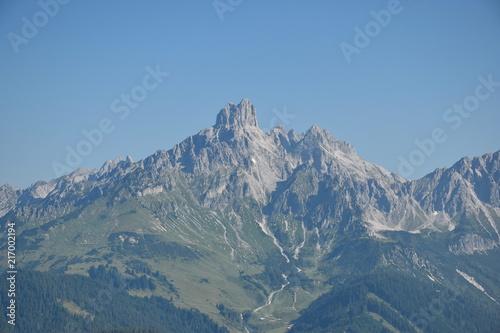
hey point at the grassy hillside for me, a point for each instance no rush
(51, 302)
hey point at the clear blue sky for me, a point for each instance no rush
(64, 78)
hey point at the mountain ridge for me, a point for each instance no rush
(266, 159)
(263, 223)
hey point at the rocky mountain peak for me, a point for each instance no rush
(241, 115)
(317, 136)
(110, 165)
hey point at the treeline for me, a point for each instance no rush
(375, 302)
(52, 302)
(110, 275)
(228, 313)
(137, 266)
(137, 278)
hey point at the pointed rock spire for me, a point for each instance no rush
(241, 115)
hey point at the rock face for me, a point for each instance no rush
(8, 198)
(237, 116)
(472, 243)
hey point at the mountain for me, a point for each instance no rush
(252, 228)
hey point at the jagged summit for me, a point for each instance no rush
(235, 160)
(112, 164)
(241, 115)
